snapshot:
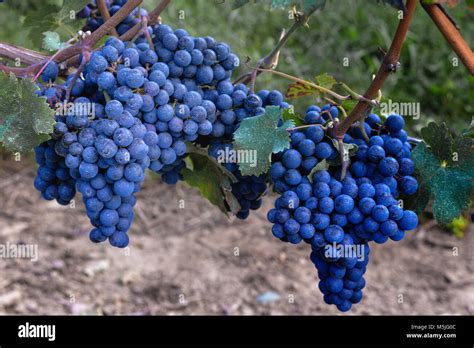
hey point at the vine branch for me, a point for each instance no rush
(85, 45)
(351, 96)
(389, 65)
(153, 18)
(90, 41)
(104, 11)
(25, 55)
(451, 34)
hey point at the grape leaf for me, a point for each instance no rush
(69, 6)
(262, 135)
(450, 182)
(53, 18)
(41, 20)
(302, 89)
(26, 120)
(299, 89)
(349, 104)
(212, 182)
(325, 80)
(451, 189)
(440, 140)
(52, 41)
(463, 154)
(289, 114)
(349, 151)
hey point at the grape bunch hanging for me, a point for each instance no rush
(151, 102)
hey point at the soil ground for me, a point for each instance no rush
(193, 260)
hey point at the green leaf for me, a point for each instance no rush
(70, 6)
(350, 149)
(299, 89)
(348, 105)
(51, 41)
(425, 161)
(262, 135)
(289, 114)
(26, 120)
(326, 81)
(323, 165)
(451, 189)
(50, 17)
(439, 138)
(450, 185)
(41, 20)
(212, 182)
(463, 154)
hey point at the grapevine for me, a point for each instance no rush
(154, 97)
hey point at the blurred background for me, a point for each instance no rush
(195, 260)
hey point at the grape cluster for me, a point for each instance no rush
(386, 157)
(334, 214)
(94, 18)
(147, 102)
(341, 278)
(53, 179)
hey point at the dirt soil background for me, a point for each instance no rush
(193, 260)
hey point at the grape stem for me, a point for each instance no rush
(270, 61)
(44, 66)
(389, 64)
(146, 33)
(304, 127)
(344, 158)
(104, 11)
(85, 59)
(414, 141)
(353, 96)
(451, 33)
